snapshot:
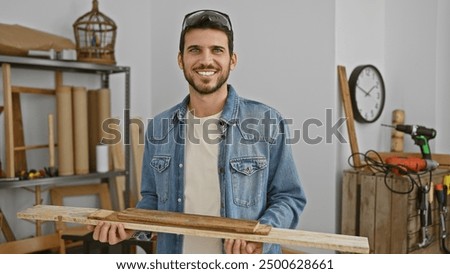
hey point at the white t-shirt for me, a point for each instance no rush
(201, 183)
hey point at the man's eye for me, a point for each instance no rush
(194, 50)
(218, 50)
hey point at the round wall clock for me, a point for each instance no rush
(367, 93)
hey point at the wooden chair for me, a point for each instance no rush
(75, 234)
(79, 235)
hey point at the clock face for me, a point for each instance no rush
(367, 93)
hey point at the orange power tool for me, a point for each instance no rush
(405, 165)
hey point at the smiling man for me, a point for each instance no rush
(216, 153)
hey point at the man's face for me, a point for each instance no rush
(206, 61)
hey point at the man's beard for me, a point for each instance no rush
(203, 89)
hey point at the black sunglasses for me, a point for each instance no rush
(195, 17)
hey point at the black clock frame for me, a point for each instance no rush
(352, 85)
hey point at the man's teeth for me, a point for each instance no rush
(206, 73)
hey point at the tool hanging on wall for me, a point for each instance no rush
(441, 195)
(425, 215)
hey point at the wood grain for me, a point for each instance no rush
(345, 92)
(6, 229)
(345, 243)
(9, 124)
(157, 217)
(20, 156)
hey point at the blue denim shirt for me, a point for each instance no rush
(257, 174)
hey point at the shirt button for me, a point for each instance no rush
(180, 165)
(179, 200)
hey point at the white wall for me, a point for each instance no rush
(411, 61)
(288, 53)
(442, 111)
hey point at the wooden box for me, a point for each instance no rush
(391, 221)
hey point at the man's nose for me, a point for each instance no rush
(206, 57)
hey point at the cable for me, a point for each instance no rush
(377, 165)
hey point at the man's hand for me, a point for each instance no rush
(110, 233)
(242, 247)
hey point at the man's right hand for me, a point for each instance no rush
(110, 233)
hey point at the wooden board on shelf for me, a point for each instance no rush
(345, 243)
(6, 229)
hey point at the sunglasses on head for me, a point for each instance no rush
(193, 18)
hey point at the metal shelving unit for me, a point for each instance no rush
(79, 67)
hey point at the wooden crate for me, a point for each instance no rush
(389, 220)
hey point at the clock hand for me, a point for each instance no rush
(370, 90)
(365, 92)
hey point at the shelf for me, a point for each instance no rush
(47, 64)
(104, 71)
(60, 179)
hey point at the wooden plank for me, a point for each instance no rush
(137, 148)
(345, 92)
(382, 243)
(9, 124)
(20, 157)
(367, 210)
(23, 148)
(349, 208)
(30, 245)
(118, 159)
(189, 220)
(30, 90)
(399, 217)
(6, 229)
(93, 128)
(38, 201)
(327, 241)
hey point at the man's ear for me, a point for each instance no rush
(180, 60)
(233, 61)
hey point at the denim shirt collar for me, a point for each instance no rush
(229, 112)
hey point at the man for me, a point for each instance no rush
(216, 153)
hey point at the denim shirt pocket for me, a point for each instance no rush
(160, 164)
(247, 179)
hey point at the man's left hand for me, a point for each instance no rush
(242, 247)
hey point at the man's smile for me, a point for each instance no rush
(206, 73)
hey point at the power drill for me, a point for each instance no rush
(405, 165)
(421, 135)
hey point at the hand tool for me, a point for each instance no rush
(425, 216)
(447, 183)
(405, 165)
(421, 135)
(441, 195)
(65, 54)
(50, 54)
